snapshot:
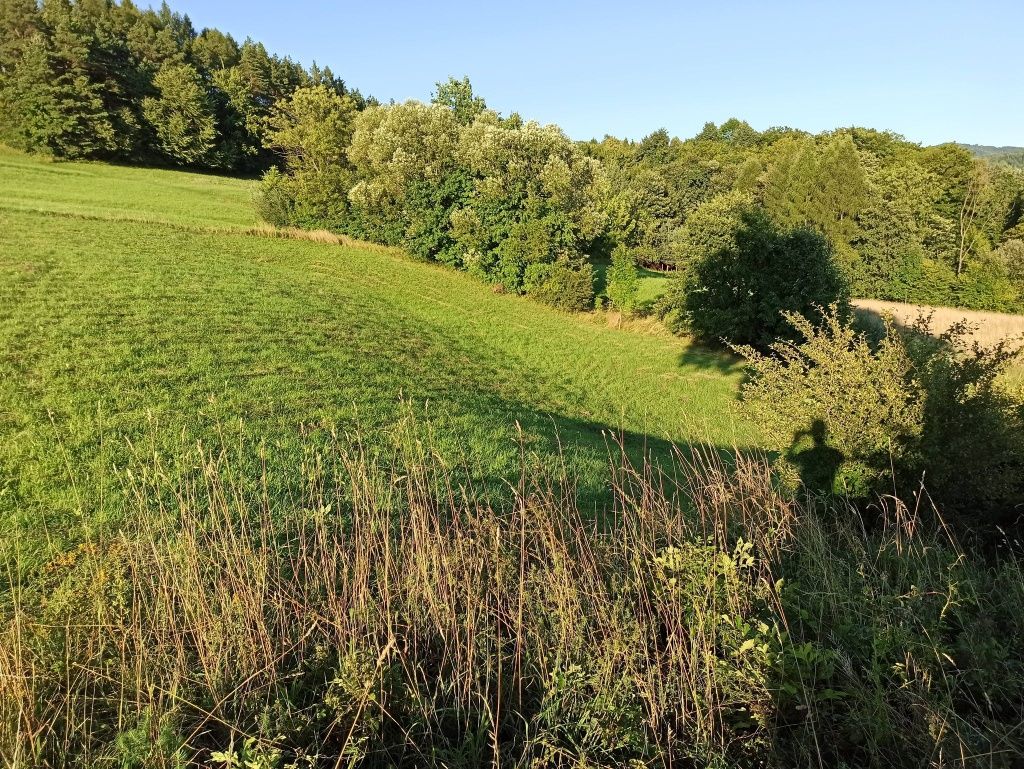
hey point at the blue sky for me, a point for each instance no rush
(933, 71)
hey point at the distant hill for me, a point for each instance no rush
(1013, 156)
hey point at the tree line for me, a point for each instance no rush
(102, 80)
(531, 210)
(519, 204)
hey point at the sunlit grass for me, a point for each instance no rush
(109, 329)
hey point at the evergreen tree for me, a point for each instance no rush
(840, 191)
(181, 115)
(27, 107)
(79, 125)
(213, 50)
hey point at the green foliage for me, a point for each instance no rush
(310, 129)
(214, 50)
(428, 232)
(711, 228)
(458, 96)
(153, 742)
(395, 148)
(186, 595)
(740, 294)
(180, 115)
(535, 196)
(1010, 256)
(110, 80)
(453, 181)
(704, 626)
(972, 427)
(853, 416)
(561, 284)
(838, 408)
(274, 199)
(513, 203)
(905, 222)
(622, 278)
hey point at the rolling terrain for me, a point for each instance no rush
(138, 309)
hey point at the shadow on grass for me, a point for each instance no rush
(722, 360)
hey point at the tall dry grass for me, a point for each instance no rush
(385, 616)
(988, 328)
(325, 237)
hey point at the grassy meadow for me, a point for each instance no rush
(284, 502)
(139, 314)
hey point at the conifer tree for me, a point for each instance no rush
(181, 115)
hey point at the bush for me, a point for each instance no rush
(561, 284)
(739, 294)
(852, 417)
(838, 409)
(623, 280)
(972, 433)
(275, 203)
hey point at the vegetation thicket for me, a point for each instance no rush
(858, 414)
(368, 621)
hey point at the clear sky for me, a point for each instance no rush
(933, 71)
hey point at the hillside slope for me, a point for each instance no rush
(134, 308)
(1014, 156)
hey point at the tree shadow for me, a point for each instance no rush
(703, 356)
(872, 323)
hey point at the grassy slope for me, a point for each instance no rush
(158, 333)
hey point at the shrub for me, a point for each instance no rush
(739, 294)
(836, 407)
(972, 434)
(986, 284)
(623, 279)
(850, 416)
(670, 307)
(561, 284)
(275, 203)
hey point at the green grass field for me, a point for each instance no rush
(297, 593)
(134, 310)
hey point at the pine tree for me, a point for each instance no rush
(27, 107)
(24, 107)
(841, 192)
(181, 115)
(79, 124)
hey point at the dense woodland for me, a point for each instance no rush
(520, 204)
(110, 81)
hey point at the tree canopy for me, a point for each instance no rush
(456, 182)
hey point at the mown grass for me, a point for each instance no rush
(169, 325)
(651, 284)
(123, 192)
